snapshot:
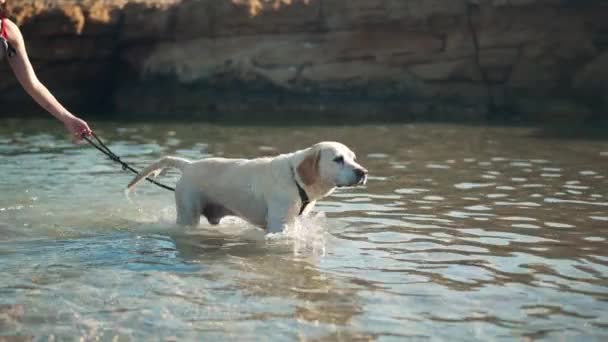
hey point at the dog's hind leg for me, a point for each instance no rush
(188, 206)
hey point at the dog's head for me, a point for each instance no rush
(331, 164)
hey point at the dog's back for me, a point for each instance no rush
(243, 186)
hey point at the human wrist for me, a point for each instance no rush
(65, 117)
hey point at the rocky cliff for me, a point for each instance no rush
(541, 60)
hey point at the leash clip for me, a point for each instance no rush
(10, 50)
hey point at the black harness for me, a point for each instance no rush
(303, 197)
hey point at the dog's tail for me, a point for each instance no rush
(157, 167)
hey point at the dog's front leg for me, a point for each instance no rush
(275, 227)
(278, 217)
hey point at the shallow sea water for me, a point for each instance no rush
(462, 233)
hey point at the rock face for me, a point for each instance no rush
(541, 60)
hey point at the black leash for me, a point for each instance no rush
(106, 150)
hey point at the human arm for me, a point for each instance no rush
(25, 74)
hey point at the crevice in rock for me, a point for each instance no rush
(490, 100)
(107, 90)
(212, 21)
(322, 24)
(508, 102)
(444, 42)
(172, 21)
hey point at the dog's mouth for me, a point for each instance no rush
(359, 181)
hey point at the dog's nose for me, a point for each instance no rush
(360, 173)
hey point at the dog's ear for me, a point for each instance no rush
(308, 170)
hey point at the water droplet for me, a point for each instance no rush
(525, 226)
(465, 186)
(496, 195)
(434, 198)
(558, 225)
(410, 191)
(437, 166)
(478, 208)
(377, 155)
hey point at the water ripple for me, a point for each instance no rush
(495, 235)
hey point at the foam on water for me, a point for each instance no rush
(306, 234)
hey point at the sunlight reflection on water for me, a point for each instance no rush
(493, 235)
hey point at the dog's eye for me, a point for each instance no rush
(339, 160)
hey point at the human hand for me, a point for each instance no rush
(78, 128)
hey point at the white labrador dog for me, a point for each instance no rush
(268, 192)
